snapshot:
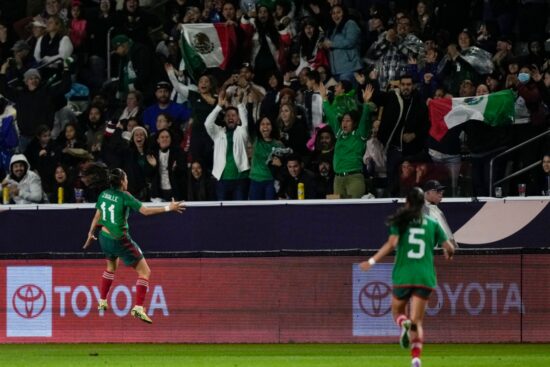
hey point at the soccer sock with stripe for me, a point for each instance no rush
(142, 285)
(416, 348)
(400, 319)
(106, 281)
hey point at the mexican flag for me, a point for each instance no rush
(206, 45)
(494, 109)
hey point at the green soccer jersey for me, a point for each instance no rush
(414, 261)
(115, 206)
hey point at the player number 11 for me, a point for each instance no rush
(111, 210)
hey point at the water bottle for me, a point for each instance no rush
(301, 191)
(60, 195)
(5, 195)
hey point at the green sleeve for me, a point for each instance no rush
(332, 119)
(132, 202)
(394, 230)
(365, 124)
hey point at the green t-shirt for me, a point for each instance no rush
(230, 171)
(260, 170)
(414, 261)
(115, 206)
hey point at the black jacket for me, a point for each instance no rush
(414, 119)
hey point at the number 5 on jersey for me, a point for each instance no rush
(416, 239)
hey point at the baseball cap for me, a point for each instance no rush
(163, 85)
(20, 46)
(119, 40)
(433, 185)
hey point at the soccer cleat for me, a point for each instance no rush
(139, 312)
(103, 305)
(416, 362)
(404, 340)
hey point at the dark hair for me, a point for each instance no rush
(314, 75)
(294, 157)
(116, 175)
(274, 128)
(42, 129)
(413, 211)
(345, 17)
(405, 76)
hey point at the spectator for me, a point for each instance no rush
(230, 142)
(268, 47)
(403, 128)
(293, 129)
(313, 102)
(201, 185)
(310, 44)
(261, 179)
(93, 124)
(35, 103)
(542, 184)
(54, 44)
(243, 82)
(324, 179)
(503, 54)
(78, 26)
(270, 100)
(38, 29)
(179, 113)
(9, 138)
(137, 166)
(98, 26)
(350, 146)
(136, 23)
(43, 155)
(389, 54)
(25, 186)
(132, 110)
(343, 42)
(61, 179)
(202, 101)
(71, 146)
(294, 175)
(22, 61)
(136, 67)
(323, 149)
(462, 62)
(170, 169)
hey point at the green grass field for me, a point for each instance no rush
(270, 355)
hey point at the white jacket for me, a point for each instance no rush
(30, 186)
(218, 135)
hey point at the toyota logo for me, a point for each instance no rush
(371, 299)
(29, 301)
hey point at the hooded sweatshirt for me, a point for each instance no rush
(30, 185)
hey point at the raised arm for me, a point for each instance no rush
(330, 112)
(174, 206)
(210, 123)
(181, 88)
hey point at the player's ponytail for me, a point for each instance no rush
(410, 212)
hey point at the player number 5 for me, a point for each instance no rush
(414, 233)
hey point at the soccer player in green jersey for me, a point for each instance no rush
(413, 236)
(113, 207)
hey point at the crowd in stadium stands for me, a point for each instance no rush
(314, 99)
